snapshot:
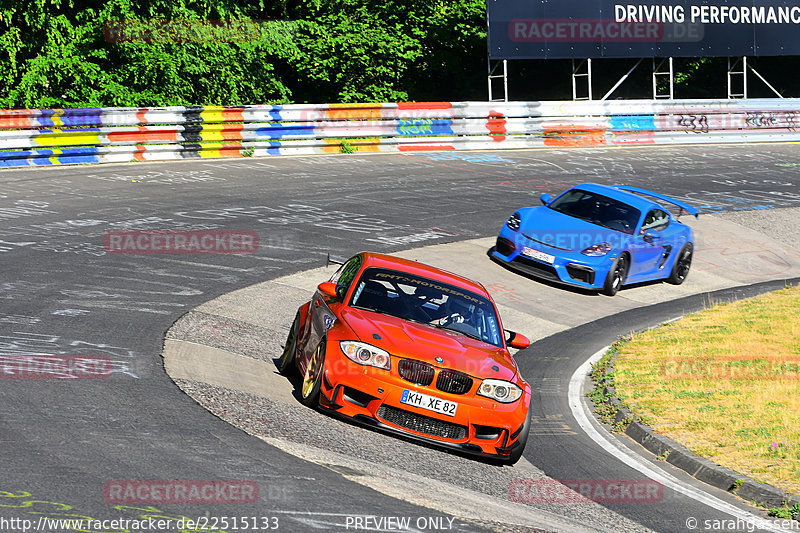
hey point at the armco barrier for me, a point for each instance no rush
(98, 135)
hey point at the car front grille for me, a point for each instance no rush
(416, 372)
(422, 374)
(536, 268)
(453, 382)
(421, 423)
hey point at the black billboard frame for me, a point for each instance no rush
(655, 73)
(657, 63)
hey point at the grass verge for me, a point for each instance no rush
(725, 383)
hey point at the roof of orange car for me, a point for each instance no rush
(415, 267)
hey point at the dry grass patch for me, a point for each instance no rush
(725, 383)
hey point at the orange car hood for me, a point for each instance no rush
(422, 342)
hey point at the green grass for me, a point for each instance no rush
(725, 383)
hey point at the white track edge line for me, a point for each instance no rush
(579, 411)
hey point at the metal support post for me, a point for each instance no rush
(773, 89)
(732, 73)
(576, 73)
(621, 80)
(493, 76)
(670, 74)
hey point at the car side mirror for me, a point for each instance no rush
(650, 235)
(546, 199)
(328, 289)
(517, 340)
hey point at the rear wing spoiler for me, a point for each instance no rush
(686, 207)
(334, 260)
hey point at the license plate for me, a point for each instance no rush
(536, 254)
(430, 403)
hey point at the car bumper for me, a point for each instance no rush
(568, 267)
(371, 397)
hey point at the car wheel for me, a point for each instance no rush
(682, 264)
(286, 362)
(616, 276)
(312, 379)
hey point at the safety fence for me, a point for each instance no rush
(98, 135)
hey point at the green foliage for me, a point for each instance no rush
(453, 59)
(346, 147)
(603, 376)
(786, 512)
(54, 53)
(347, 52)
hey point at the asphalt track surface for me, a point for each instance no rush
(64, 440)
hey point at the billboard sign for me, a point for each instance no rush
(559, 29)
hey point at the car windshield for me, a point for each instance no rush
(597, 209)
(427, 301)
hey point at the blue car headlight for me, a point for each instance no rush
(597, 250)
(513, 222)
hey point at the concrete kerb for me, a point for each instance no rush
(707, 471)
(698, 467)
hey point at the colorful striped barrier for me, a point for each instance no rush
(98, 135)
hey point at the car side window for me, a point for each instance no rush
(655, 220)
(346, 274)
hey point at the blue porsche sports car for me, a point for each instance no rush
(599, 237)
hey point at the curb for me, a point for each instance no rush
(699, 468)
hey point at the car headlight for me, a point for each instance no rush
(366, 354)
(513, 222)
(499, 390)
(596, 250)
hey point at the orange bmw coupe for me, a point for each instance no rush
(412, 349)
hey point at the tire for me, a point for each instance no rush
(682, 265)
(516, 453)
(286, 362)
(312, 379)
(616, 276)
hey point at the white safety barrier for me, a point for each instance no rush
(94, 135)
